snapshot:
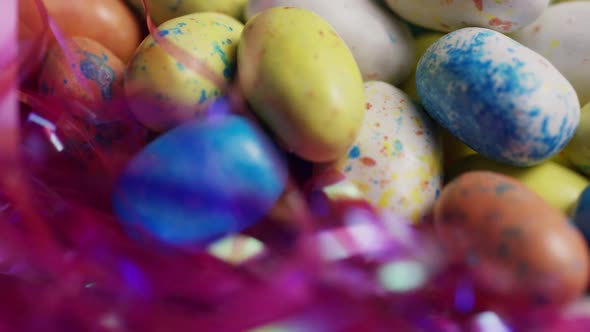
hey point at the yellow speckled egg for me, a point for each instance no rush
(164, 10)
(578, 149)
(171, 93)
(557, 185)
(302, 81)
(396, 160)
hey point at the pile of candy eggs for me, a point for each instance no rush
(298, 165)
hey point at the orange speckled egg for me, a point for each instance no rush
(100, 72)
(109, 22)
(519, 250)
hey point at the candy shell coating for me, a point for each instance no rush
(170, 93)
(379, 41)
(562, 36)
(500, 98)
(302, 81)
(200, 181)
(520, 252)
(449, 15)
(396, 160)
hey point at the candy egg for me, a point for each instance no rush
(562, 35)
(578, 150)
(164, 10)
(200, 181)
(99, 69)
(396, 160)
(109, 22)
(500, 98)
(449, 15)
(557, 185)
(177, 93)
(520, 251)
(379, 42)
(302, 81)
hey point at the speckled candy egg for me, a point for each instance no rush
(200, 181)
(302, 80)
(449, 15)
(520, 251)
(562, 35)
(163, 10)
(380, 43)
(578, 150)
(396, 159)
(169, 92)
(93, 73)
(500, 98)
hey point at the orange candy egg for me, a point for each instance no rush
(100, 72)
(519, 250)
(110, 22)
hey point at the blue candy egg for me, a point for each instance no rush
(201, 181)
(500, 98)
(581, 216)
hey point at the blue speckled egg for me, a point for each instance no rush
(500, 98)
(200, 181)
(581, 216)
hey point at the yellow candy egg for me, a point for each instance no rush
(302, 81)
(558, 185)
(171, 93)
(164, 10)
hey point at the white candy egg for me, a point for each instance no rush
(562, 35)
(449, 15)
(396, 159)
